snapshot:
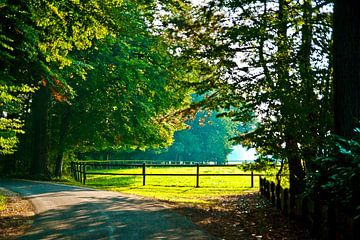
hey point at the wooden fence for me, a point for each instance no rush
(325, 220)
(80, 171)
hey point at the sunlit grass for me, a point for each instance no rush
(175, 188)
(2, 201)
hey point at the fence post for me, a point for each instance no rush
(77, 172)
(278, 197)
(252, 178)
(84, 172)
(286, 199)
(261, 180)
(74, 171)
(80, 172)
(272, 190)
(197, 174)
(72, 168)
(266, 189)
(144, 173)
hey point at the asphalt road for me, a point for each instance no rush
(68, 212)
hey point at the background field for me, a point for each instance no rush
(176, 188)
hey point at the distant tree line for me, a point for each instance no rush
(206, 139)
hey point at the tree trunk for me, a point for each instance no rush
(296, 169)
(292, 152)
(346, 67)
(64, 126)
(309, 105)
(9, 164)
(40, 108)
(347, 78)
(59, 161)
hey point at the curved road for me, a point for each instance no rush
(68, 212)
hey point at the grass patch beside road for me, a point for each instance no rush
(2, 201)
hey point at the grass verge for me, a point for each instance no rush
(2, 201)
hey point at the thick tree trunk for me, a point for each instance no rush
(346, 67)
(9, 164)
(40, 107)
(59, 161)
(347, 78)
(297, 173)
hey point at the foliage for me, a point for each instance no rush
(12, 98)
(267, 62)
(15, 57)
(275, 170)
(8, 130)
(131, 85)
(112, 81)
(37, 36)
(336, 177)
(260, 164)
(205, 139)
(35, 39)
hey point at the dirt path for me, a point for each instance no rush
(67, 212)
(17, 216)
(248, 216)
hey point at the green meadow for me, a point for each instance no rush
(175, 188)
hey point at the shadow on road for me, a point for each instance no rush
(104, 219)
(66, 212)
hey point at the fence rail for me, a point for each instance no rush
(80, 171)
(168, 161)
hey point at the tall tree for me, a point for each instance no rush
(342, 178)
(288, 114)
(17, 55)
(346, 66)
(122, 101)
(36, 39)
(131, 85)
(62, 26)
(264, 57)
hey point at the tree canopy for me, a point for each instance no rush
(289, 66)
(101, 79)
(267, 62)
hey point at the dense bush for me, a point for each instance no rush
(336, 177)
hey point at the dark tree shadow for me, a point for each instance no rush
(83, 213)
